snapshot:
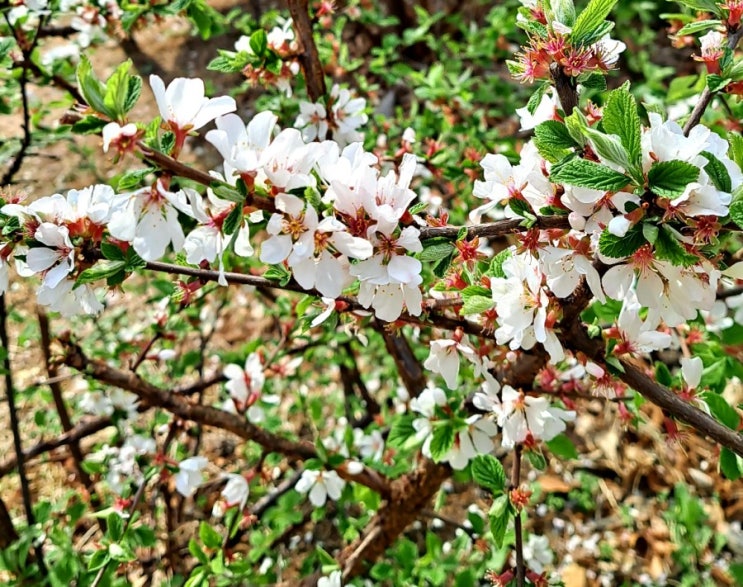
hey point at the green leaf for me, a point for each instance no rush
(91, 88)
(536, 98)
(668, 248)
(499, 515)
(442, 265)
(209, 536)
(233, 221)
(618, 247)
(553, 141)
(736, 212)
(562, 447)
(134, 90)
(590, 19)
(722, 410)
(132, 179)
(100, 270)
(477, 305)
(442, 441)
(89, 125)
(278, 273)
(587, 174)
(197, 552)
(99, 559)
(259, 42)
(736, 148)
(731, 464)
(609, 148)
(593, 81)
(620, 118)
(115, 527)
(697, 26)
(715, 82)
(718, 173)
(227, 192)
(488, 472)
(117, 91)
(134, 261)
(669, 179)
(662, 374)
(536, 458)
(402, 431)
(436, 251)
(523, 208)
(496, 265)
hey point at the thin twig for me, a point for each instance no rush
(707, 94)
(517, 525)
(64, 416)
(15, 427)
(309, 59)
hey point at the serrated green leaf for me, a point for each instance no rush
(117, 91)
(620, 118)
(197, 552)
(402, 431)
(436, 252)
(698, 26)
(592, 17)
(477, 305)
(114, 527)
(736, 212)
(618, 247)
(89, 125)
(536, 459)
(716, 83)
(609, 148)
(562, 447)
(278, 273)
(718, 173)
(496, 265)
(442, 441)
(91, 88)
(133, 260)
(669, 179)
(132, 179)
(474, 291)
(259, 42)
(668, 248)
(233, 221)
(593, 81)
(499, 515)
(112, 252)
(553, 141)
(587, 174)
(227, 192)
(134, 90)
(488, 472)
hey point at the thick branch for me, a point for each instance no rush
(577, 338)
(207, 415)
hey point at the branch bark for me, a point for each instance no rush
(309, 59)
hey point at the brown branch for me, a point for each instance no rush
(64, 416)
(517, 524)
(309, 59)
(566, 87)
(8, 534)
(80, 431)
(707, 94)
(495, 229)
(577, 338)
(207, 415)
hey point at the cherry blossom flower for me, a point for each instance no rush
(312, 121)
(425, 405)
(371, 446)
(519, 414)
(332, 580)
(475, 439)
(545, 110)
(444, 359)
(234, 494)
(119, 135)
(564, 269)
(537, 553)
(188, 477)
(68, 298)
(504, 181)
(388, 300)
(242, 146)
(348, 115)
(55, 260)
(207, 242)
(245, 384)
(148, 218)
(320, 485)
(635, 335)
(184, 106)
